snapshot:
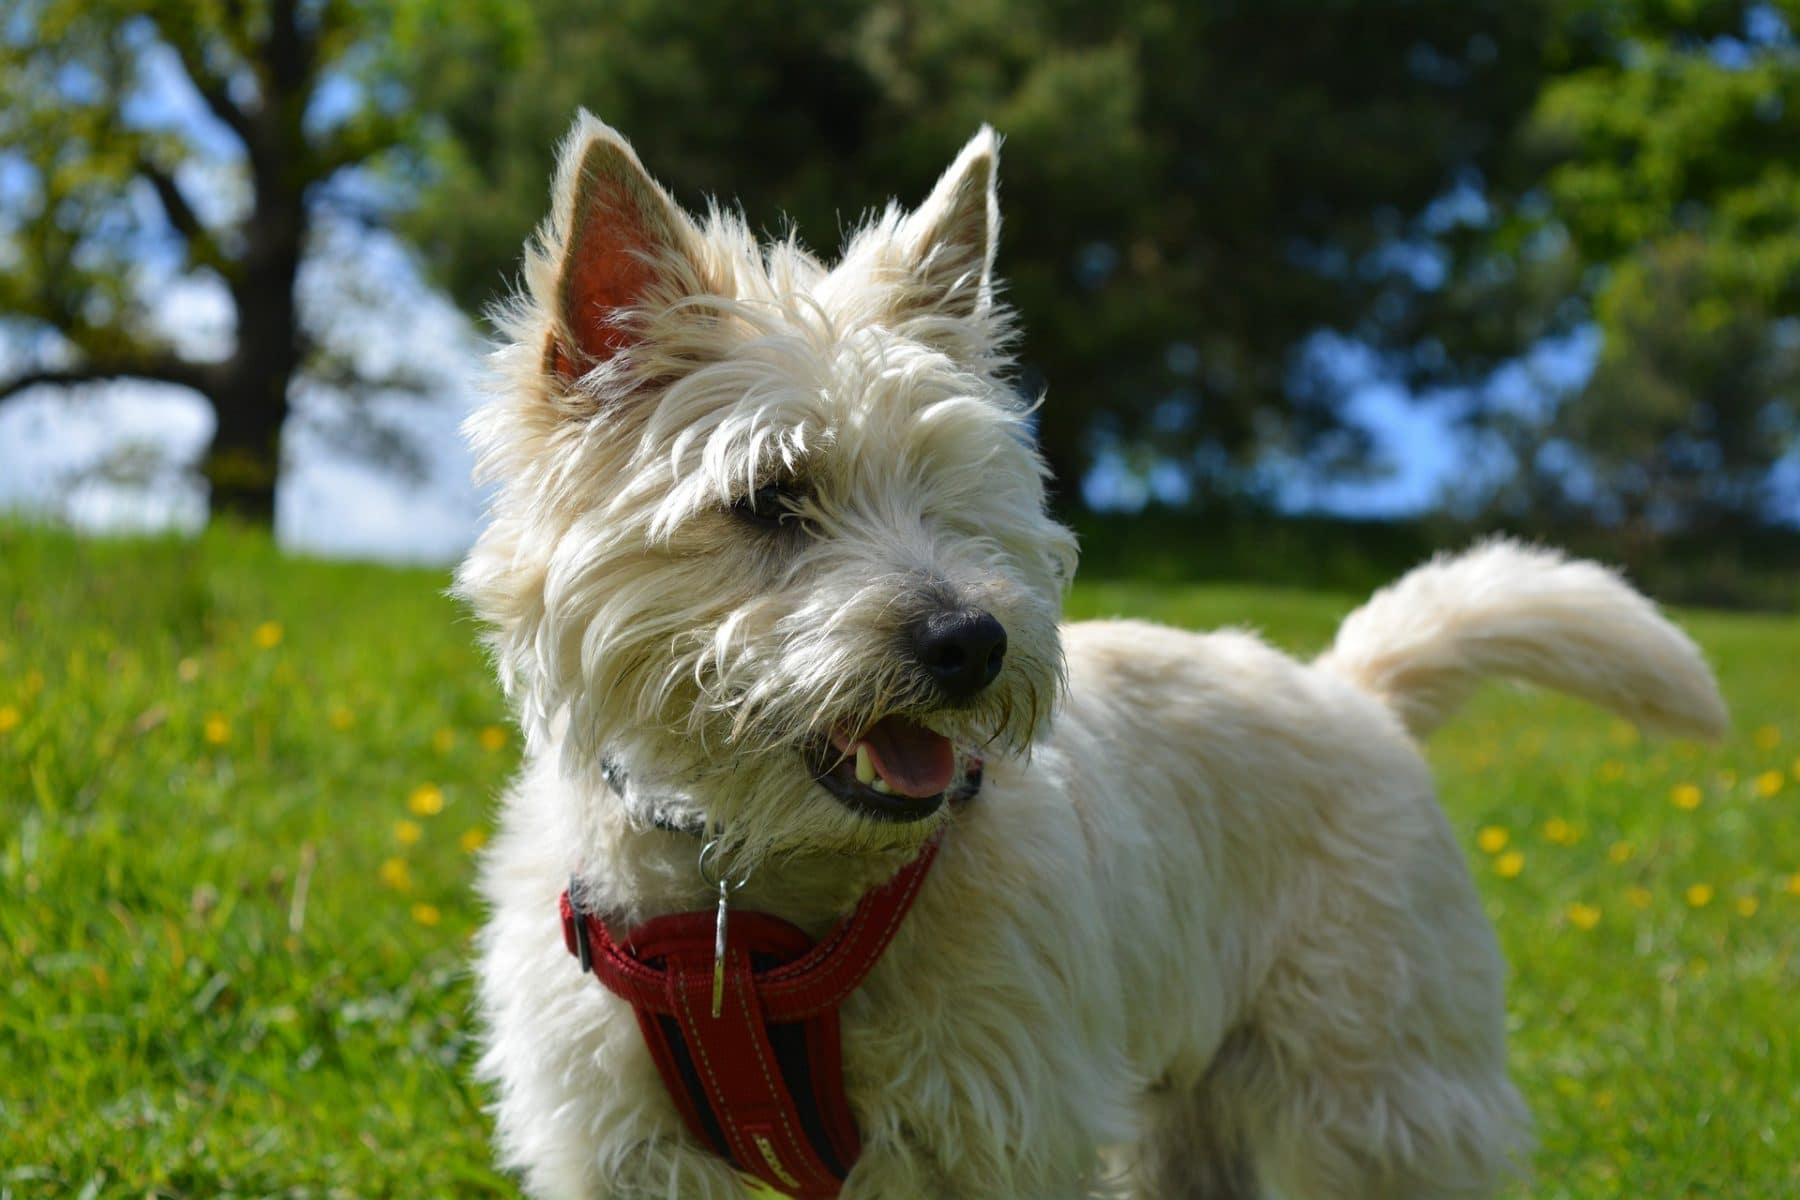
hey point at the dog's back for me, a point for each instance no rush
(1329, 990)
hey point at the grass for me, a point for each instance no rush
(238, 794)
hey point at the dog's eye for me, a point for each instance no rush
(771, 504)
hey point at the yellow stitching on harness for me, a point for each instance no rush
(756, 1189)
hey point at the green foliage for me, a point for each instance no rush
(77, 111)
(1192, 191)
(1219, 178)
(115, 197)
(1670, 188)
(234, 917)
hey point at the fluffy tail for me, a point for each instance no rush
(1422, 644)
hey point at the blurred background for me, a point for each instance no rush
(1358, 276)
(1312, 289)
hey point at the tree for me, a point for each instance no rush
(112, 202)
(1191, 191)
(1663, 194)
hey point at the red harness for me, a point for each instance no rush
(763, 1082)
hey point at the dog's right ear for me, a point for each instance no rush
(627, 250)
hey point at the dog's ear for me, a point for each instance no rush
(626, 247)
(949, 242)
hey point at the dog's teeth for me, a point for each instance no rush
(865, 766)
(881, 785)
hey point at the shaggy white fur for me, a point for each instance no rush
(1203, 933)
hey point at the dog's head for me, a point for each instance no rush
(768, 535)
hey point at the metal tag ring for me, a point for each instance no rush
(709, 875)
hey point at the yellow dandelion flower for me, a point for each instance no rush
(34, 682)
(1560, 832)
(1492, 839)
(1612, 770)
(1583, 916)
(187, 670)
(340, 718)
(443, 740)
(395, 874)
(1685, 796)
(427, 800)
(1793, 884)
(1624, 733)
(1604, 1100)
(493, 738)
(1795, 770)
(1769, 783)
(472, 840)
(268, 635)
(426, 914)
(1747, 906)
(1620, 852)
(1699, 895)
(216, 730)
(1638, 897)
(407, 832)
(1767, 737)
(9, 718)
(1509, 864)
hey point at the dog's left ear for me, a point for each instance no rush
(949, 242)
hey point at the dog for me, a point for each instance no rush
(769, 570)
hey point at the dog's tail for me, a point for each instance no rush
(1422, 644)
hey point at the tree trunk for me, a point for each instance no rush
(244, 461)
(251, 404)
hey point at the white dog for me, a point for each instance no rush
(769, 560)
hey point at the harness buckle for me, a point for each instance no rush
(578, 929)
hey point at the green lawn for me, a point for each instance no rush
(239, 792)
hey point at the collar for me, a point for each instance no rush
(760, 1078)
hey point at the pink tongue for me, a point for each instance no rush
(915, 761)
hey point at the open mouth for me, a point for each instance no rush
(895, 770)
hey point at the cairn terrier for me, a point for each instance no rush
(769, 566)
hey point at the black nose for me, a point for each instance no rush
(961, 651)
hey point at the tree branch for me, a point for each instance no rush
(156, 370)
(353, 144)
(212, 89)
(203, 249)
(175, 205)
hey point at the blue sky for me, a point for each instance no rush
(329, 502)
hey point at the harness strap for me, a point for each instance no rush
(762, 1084)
